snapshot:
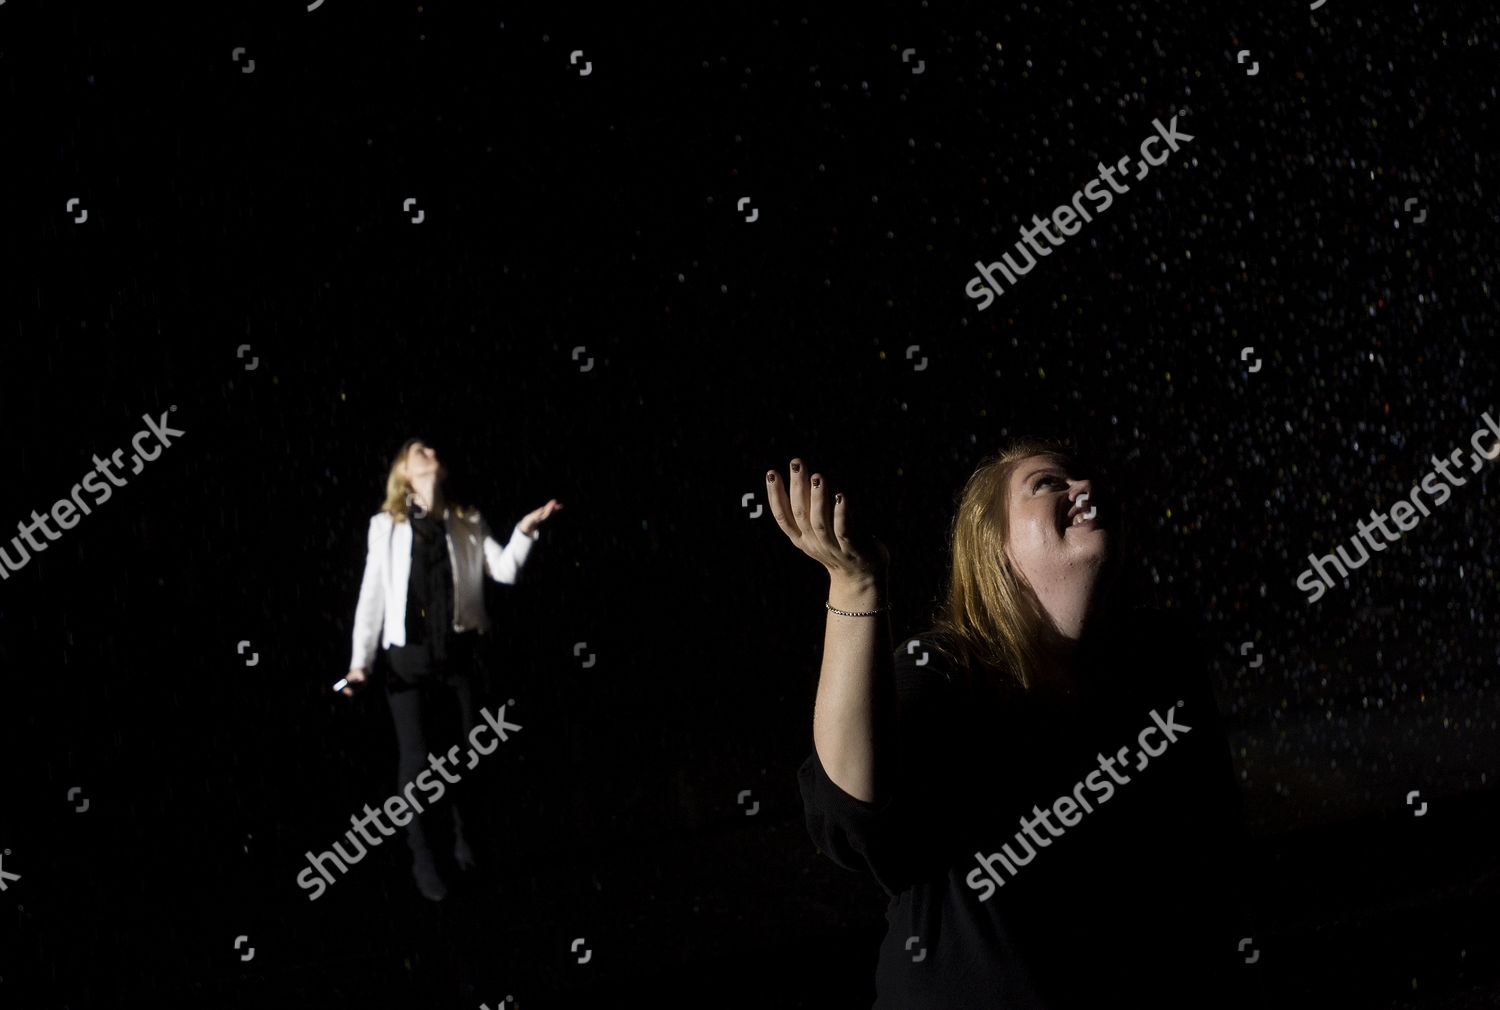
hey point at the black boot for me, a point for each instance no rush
(424, 871)
(423, 866)
(463, 856)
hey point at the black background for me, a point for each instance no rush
(560, 211)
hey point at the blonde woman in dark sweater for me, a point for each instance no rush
(976, 771)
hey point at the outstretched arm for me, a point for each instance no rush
(854, 713)
(504, 564)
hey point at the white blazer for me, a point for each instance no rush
(380, 617)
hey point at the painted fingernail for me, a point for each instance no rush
(839, 498)
(796, 468)
(817, 482)
(771, 477)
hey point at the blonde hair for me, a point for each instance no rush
(991, 621)
(398, 486)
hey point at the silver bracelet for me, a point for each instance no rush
(867, 613)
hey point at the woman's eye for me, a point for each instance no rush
(1045, 480)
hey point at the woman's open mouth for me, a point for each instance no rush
(1078, 515)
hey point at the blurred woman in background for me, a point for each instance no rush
(422, 599)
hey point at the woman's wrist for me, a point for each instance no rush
(858, 594)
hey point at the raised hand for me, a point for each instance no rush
(536, 517)
(816, 520)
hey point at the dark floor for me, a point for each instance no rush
(757, 918)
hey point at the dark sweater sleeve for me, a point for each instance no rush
(898, 839)
(1224, 873)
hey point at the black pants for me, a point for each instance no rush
(433, 709)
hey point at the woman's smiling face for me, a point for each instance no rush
(1043, 540)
